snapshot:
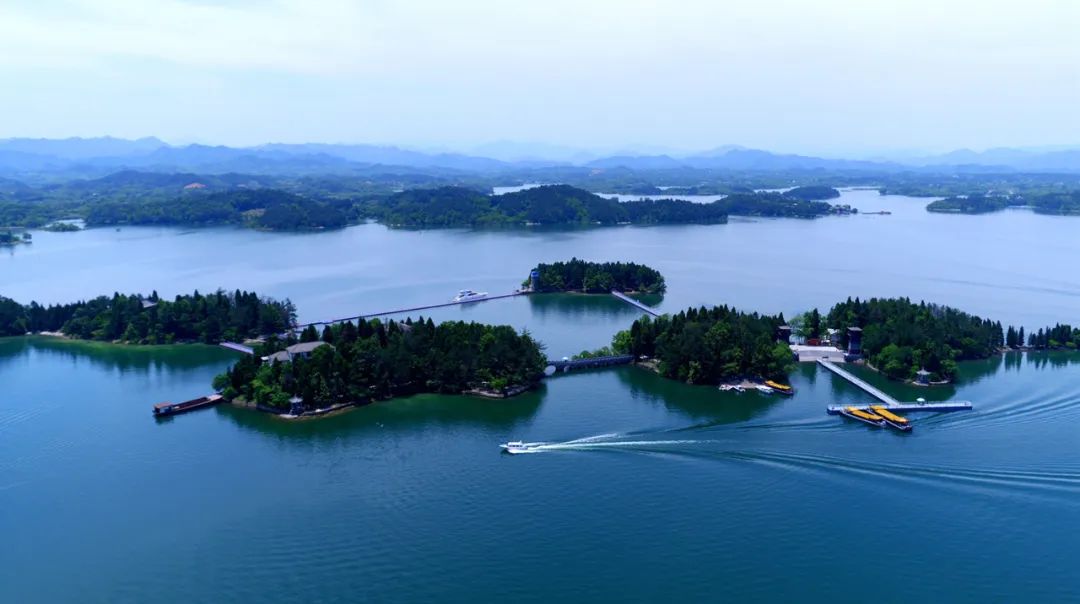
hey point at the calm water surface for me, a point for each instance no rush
(654, 490)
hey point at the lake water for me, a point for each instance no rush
(675, 493)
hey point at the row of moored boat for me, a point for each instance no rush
(877, 415)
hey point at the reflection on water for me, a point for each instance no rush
(398, 416)
(576, 306)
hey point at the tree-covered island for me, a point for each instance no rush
(12, 237)
(566, 205)
(355, 363)
(900, 337)
(597, 277)
(137, 319)
(1060, 203)
(710, 345)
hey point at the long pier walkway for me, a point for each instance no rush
(874, 392)
(635, 303)
(238, 347)
(408, 310)
(890, 402)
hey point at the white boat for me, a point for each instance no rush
(764, 389)
(514, 447)
(731, 388)
(468, 295)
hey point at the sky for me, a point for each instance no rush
(818, 76)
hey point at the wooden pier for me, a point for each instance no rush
(890, 403)
(410, 310)
(634, 303)
(874, 392)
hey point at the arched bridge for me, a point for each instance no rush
(592, 363)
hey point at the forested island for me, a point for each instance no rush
(267, 209)
(597, 277)
(710, 345)
(137, 319)
(565, 205)
(812, 193)
(900, 337)
(353, 363)
(559, 205)
(13, 237)
(1056, 203)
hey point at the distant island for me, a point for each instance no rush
(564, 205)
(1057, 203)
(597, 277)
(559, 205)
(812, 193)
(14, 237)
(136, 319)
(354, 363)
(265, 209)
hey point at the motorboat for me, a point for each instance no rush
(468, 295)
(762, 388)
(514, 447)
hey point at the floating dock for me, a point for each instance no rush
(890, 403)
(907, 407)
(634, 303)
(164, 409)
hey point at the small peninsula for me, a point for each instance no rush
(596, 277)
(354, 363)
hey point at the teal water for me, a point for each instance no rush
(651, 490)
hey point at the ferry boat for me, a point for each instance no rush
(863, 416)
(514, 447)
(764, 389)
(893, 420)
(468, 295)
(781, 388)
(163, 409)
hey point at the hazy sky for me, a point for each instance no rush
(809, 76)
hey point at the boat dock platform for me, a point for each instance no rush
(890, 403)
(166, 409)
(907, 407)
(412, 309)
(632, 302)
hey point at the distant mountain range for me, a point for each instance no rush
(86, 157)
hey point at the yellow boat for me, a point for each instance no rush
(863, 416)
(781, 388)
(894, 420)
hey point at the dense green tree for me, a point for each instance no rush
(596, 277)
(376, 360)
(150, 320)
